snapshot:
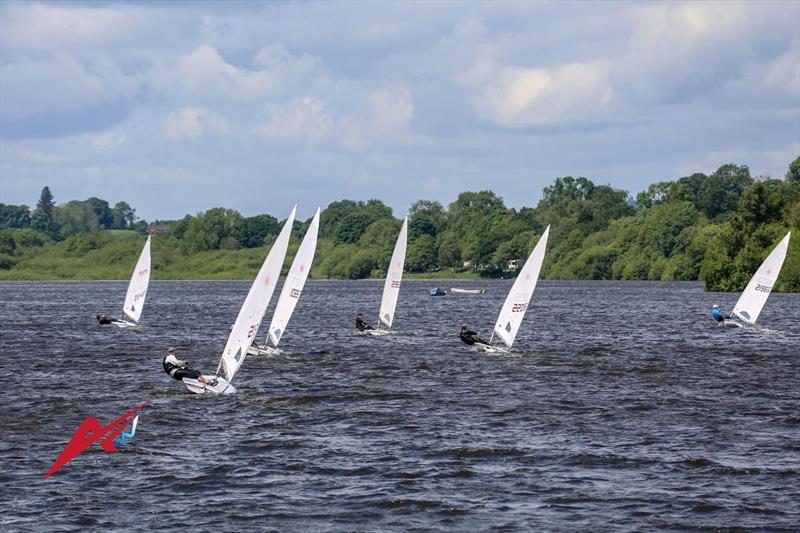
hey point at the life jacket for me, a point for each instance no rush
(717, 314)
(169, 368)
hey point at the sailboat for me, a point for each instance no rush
(391, 287)
(513, 311)
(245, 328)
(755, 295)
(292, 288)
(137, 290)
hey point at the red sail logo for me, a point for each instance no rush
(89, 432)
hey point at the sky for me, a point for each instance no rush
(178, 107)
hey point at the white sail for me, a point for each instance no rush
(757, 291)
(255, 304)
(391, 287)
(513, 311)
(295, 280)
(137, 288)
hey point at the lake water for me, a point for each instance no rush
(622, 407)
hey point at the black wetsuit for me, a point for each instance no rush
(361, 325)
(105, 320)
(181, 371)
(470, 337)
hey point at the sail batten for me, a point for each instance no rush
(255, 304)
(755, 295)
(516, 304)
(137, 287)
(294, 283)
(394, 277)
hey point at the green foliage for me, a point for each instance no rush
(716, 227)
(43, 218)
(421, 254)
(123, 215)
(793, 174)
(14, 216)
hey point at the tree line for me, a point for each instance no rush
(716, 228)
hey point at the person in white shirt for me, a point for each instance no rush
(178, 369)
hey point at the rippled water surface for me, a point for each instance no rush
(622, 407)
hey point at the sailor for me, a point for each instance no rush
(717, 314)
(470, 337)
(178, 369)
(103, 319)
(361, 324)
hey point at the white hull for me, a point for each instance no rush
(730, 324)
(263, 350)
(376, 332)
(488, 348)
(123, 324)
(197, 387)
(467, 291)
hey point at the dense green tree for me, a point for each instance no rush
(103, 212)
(449, 253)
(76, 217)
(257, 229)
(793, 174)
(43, 218)
(14, 216)
(123, 216)
(421, 254)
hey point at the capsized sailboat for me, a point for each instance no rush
(755, 295)
(513, 311)
(245, 328)
(292, 288)
(391, 287)
(137, 290)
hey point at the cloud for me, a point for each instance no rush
(193, 122)
(419, 98)
(48, 27)
(302, 120)
(514, 96)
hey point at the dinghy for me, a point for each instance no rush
(513, 311)
(245, 328)
(290, 294)
(137, 290)
(755, 295)
(391, 287)
(454, 290)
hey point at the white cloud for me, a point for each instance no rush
(303, 120)
(48, 27)
(35, 87)
(514, 96)
(193, 122)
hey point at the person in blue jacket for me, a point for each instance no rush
(717, 314)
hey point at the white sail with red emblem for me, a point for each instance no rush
(295, 280)
(519, 297)
(137, 288)
(755, 295)
(255, 304)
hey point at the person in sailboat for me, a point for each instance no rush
(718, 315)
(178, 369)
(361, 324)
(470, 337)
(103, 319)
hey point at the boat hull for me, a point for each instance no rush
(467, 291)
(263, 350)
(197, 387)
(488, 348)
(124, 324)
